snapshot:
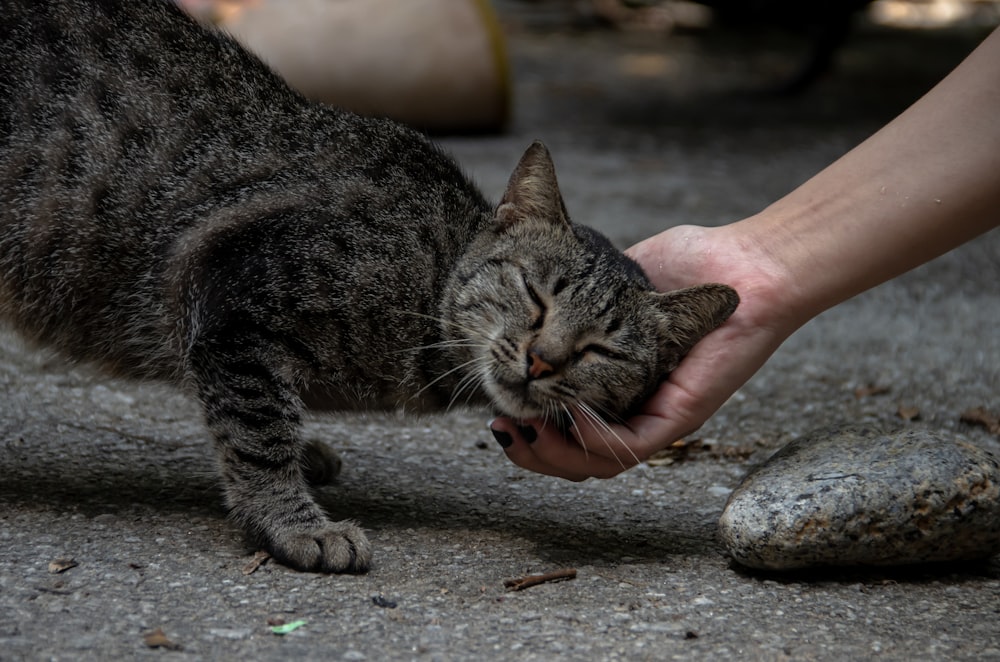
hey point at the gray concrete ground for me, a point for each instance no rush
(646, 132)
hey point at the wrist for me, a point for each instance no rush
(779, 258)
(764, 271)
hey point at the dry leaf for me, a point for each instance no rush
(908, 413)
(660, 459)
(869, 390)
(687, 444)
(685, 449)
(677, 451)
(61, 565)
(157, 639)
(979, 416)
(733, 452)
(258, 559)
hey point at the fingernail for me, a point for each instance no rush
(528, 433)
(504, 439)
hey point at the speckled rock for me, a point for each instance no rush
(863, 496)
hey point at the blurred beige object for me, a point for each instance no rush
(440, 65)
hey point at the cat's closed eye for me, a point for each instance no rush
(541, 309)
(559, 285)
(599, 351)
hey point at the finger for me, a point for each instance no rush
(551, 453)
(521, 452)
(672, 412)
(617, 443)
(702, 383)
(553, 447)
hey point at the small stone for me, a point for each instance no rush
(62, 565)
(230, 633)
(383, 602)
(859, 495)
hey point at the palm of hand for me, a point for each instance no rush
(711, 372)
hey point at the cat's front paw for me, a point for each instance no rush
(332, 547)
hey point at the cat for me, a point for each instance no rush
(171, 210)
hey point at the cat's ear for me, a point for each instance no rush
(689, 314)
(533, 192)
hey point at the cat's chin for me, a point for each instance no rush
(513, 404)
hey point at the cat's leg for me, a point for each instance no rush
(320, 463)
(254, 414)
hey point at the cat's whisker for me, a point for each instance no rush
(602, 426)
(461, 366)
(607, 415)
(474, 379)
(573, 426)
(445, 344)
(555, 410)
(470, 331)
(618, 420)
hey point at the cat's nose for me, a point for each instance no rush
(538, 367)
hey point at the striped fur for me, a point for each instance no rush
(171, 210)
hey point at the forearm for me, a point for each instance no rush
(926, 183)
(921, 186)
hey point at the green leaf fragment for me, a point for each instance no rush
(287, 627)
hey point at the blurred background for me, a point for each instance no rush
(726, 61)
(472, 66)
(657, 112)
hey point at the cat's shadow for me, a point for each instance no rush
(117, 490)
(576, 540)
(559, 541)
(123, 490)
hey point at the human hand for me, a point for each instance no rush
(890, 204)
(710, 373)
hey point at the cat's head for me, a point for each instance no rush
(553, 317)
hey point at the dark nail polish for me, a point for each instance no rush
(504, 439)
(528, 433)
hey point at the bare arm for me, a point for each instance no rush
(924, 184)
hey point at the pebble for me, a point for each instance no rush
(230, 633)
(860, 495)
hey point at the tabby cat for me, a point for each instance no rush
(171, 210)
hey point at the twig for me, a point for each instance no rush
(534, 580)
(55, 591)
